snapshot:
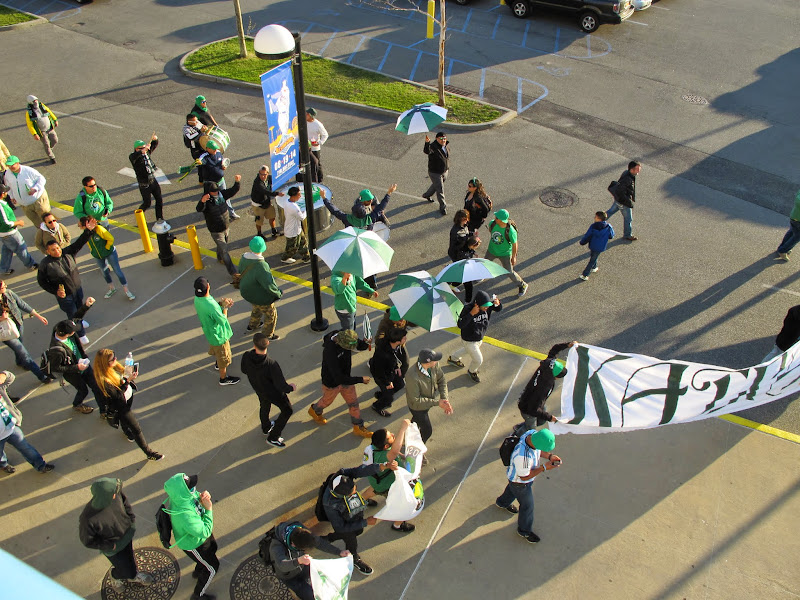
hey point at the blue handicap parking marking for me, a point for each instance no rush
(52, 10)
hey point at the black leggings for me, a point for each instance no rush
(130, 427)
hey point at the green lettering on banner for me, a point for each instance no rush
(582, 381)
(672, 392)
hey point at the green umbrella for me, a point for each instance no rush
(356, 251)
(419, 298)
(421, 118)
(471, 269)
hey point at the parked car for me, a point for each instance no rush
(641, 4)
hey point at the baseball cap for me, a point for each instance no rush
(11, 160)
(138, 144)
(212, 145)
(312, 112)
(543, 440)
(66, 327)
(258, 245)
(428, 355)
(365, 196)
(502, 214)
(210, 186)
(347, 339)
(191, 481)
(32, 99)
(342, 485)
(441, 134)
(264, 168)
(200, 287)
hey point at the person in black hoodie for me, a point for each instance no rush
(473, 323)
(788, 335)
(215, 210)
(337, 359)
(624, 196)
(145, 170)
(438, 166)
(478, 204)
(533, 398)
(388, 367)
(266, 377)
(107, 524)
(289, 553)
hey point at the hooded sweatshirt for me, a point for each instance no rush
(257, 285)
(265, 375)
(345, 294)
(337, 362)
(107, 522)
(473, 327)
(284, 555)
(541, 385)
(191, 523)
(597, 236)
(60, 234)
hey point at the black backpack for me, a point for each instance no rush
(319, 507)
(510, 442)
(263, 548)
(164, 526)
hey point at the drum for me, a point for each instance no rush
(220, 136)
(381, 230)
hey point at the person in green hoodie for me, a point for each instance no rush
(192, 525)
(345, 286)
(107, 524)
(101, 245)
(257, 286)
(92, 201)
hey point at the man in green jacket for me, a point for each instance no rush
(192, 526)
(257, 286)
(345, 286)
(424, 381)
(213, 315)
(92, 201)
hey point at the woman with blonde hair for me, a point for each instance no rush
(118, 392)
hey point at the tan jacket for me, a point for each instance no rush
(43, 235)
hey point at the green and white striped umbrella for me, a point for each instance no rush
(471, 269)
(356, 251)
(419, 298)
(421, 118)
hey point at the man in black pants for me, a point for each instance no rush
(145, 170)
(438, 167)
(215, 210)
(267, 379)
(67, 356)
(388, 367)
(107, 524)
(191, 139)
(534, 396)
(424, 381)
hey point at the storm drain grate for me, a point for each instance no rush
(459, 91)
(694, 99)
(557, 198)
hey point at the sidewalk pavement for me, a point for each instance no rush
(689, 511)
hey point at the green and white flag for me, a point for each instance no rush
(607, 391)
(330, 578)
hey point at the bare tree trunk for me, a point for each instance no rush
(442, 32)
(240, 29)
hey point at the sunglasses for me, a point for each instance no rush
(92, 185)
(113, 358)
(50, 222)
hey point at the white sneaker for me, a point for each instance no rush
(117, 584)
(234, 216)
(288, 261)
(595, 269)
(84, 340)
(143, 578)
(584, 277)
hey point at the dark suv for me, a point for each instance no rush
(591, 13)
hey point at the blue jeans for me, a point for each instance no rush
(23, 357)
(627, 217)
(14, 244)
(593, 254)
(347, 319)
(111, 262)
(789, 240)
(523, 492)
(70, 305)
(18, 441)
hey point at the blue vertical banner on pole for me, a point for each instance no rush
(277, 86)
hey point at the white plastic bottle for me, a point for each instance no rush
(129, 365)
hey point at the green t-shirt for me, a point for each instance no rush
(213, 321)
(795, 216)
(499, 245)
(383, 480)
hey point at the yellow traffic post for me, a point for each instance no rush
(194, 246)
(431, 10)
(147, 245)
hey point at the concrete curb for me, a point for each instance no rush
(37, 20)
(504, 118)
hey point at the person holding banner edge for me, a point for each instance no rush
(533, 398)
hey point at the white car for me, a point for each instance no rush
(641, 4)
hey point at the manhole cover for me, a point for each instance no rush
(157, 562)
(694, 99)
(253, 581)
(129, 44)
(454, 90)
(557, 198)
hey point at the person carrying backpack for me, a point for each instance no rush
(92, 201)
(289, 555)
(524, 466)
(503, 246)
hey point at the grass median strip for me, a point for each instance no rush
(323, 77)
(9, 16)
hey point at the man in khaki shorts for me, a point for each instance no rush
(27, 189)
(261, 196)
(213, 315)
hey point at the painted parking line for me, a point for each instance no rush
(777, 289)
(95, 121)
(52, 10)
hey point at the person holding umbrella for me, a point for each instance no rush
(438, 167)
(345, 286)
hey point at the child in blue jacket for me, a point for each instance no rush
(597, 237)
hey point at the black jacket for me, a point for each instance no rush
(342, 520)
(790, 332)
(284, 556)
(386, 361)
(438, 156)
(143, 164)
(204, 116)
(336, 362)
(101, 529)
(261, 192)
(473, 327)
(62, 270)
(265, 375)
(458, 241)
(625, 192)
(115, 398)
(532, 400)
(216, 211)
(478, 208)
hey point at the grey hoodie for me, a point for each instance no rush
(284, 556)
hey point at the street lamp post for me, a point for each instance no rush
(275, 42)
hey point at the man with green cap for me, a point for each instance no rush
(200, 110)
(212, 166)
(107, 524)
(503, 246)
(365, 210)
(27, 189)
(526, 463)
(145, 170)
(257, 286)
(533, 398)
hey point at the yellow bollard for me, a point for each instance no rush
(431, 9)
(147, 245)
(194, 245)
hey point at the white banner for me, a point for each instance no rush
(331, 577)
(606, 391)
(406, 496)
